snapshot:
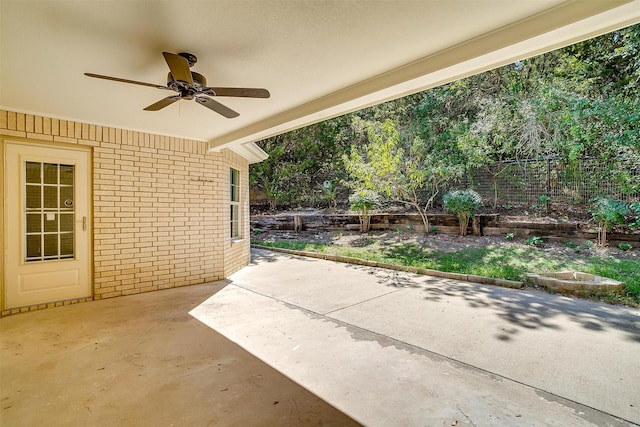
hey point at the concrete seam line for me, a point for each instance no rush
(504, 283)
(363, 301)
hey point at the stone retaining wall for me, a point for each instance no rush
(490, 225)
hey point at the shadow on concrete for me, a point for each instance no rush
(392, 278)
(143, 360)
(262, 256)
(259, 255)
(530, 309)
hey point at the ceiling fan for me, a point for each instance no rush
(191, 85)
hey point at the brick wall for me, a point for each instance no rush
(160, 205)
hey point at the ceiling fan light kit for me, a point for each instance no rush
(191, 85)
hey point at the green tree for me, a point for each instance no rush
(404, 169)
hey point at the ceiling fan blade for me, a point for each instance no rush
(163, 103)
(245, 92)
(217, 107)
(116, 79)
(179, 67)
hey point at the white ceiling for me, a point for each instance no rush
(318, 58)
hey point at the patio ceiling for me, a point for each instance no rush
(319, 59)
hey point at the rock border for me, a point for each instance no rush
(513, 284)
(575, 282)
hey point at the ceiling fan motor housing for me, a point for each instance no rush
(199, 83)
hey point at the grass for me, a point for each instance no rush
(510, 263)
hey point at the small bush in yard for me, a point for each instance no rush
(635, 221)
(363, 201)
(625, 246)
(464, 204)
(534, 241)
(607, 213)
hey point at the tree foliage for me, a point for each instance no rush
(580, 101)
(464, 204)
(405, 169)
(607, 213)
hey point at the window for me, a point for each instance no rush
(49, 211)
(235, 203)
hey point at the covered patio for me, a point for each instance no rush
(144, 202)
(147, 208)
(301, 341)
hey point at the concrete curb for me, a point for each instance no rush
(423, 271)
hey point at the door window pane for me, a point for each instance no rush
(50, 197)
(50, 245)
(66, 222)
(33, 196)
(50, 173)
(66, 174)
(50, 223)
(34, 246)
(66, 197)
(33, 172)
(34, 223)
(66, 245)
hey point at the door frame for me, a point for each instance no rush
(4, 207)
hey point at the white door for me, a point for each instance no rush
(47, 225)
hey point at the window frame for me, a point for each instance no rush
(235, 228)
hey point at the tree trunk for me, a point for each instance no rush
(297, 223)
(423, 217)
(475, 226)
(365, 220)
(602, 235)
(464, 223)
(495, 192)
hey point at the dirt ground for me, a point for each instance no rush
(446, 242)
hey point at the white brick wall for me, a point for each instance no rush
(160, 205)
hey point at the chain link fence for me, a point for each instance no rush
(525, 182)
(552, 180)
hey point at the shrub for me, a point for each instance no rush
(464, 204)
(607, 213)
(509, 236)
(534, 241)
(635, 209)
(329, 192)
(363, 201)
(625, 246)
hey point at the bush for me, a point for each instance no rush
(534, 241)
(607, 213)
(464, 204)
(363, 201)
(635, 209)
(625, 246)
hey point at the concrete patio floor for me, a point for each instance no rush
(299, 341)
(142, 360)
(390, 348)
